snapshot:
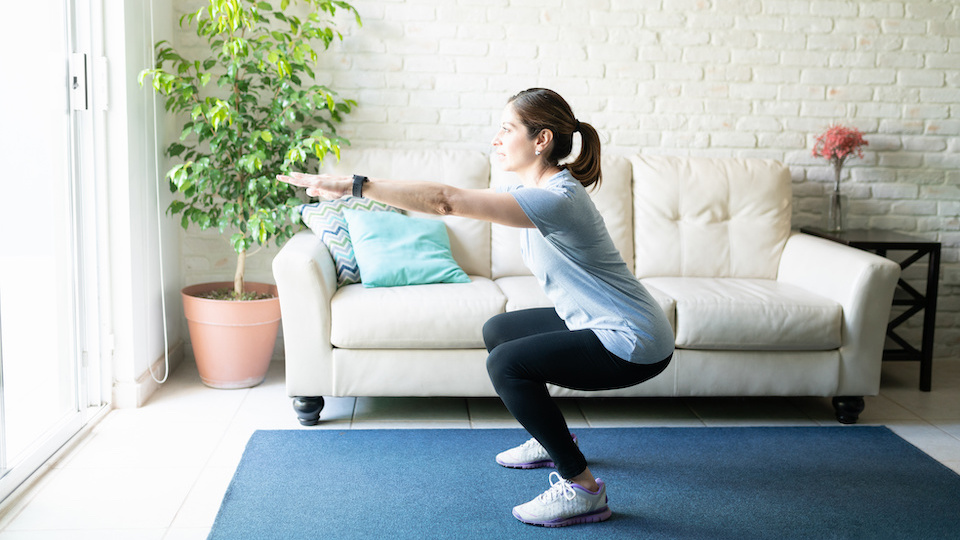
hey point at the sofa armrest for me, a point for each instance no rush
(863, 284)
(306, 281)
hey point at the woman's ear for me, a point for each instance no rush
(544, 138)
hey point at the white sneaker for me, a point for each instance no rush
(529, 455)
(565, 503)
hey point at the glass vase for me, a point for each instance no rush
(835, 212)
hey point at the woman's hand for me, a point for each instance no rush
(326, 186)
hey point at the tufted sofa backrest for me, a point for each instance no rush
(701, 217)
(668, 216)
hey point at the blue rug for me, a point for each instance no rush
(670, 483)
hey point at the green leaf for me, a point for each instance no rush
(175, 149)
(240, 242)
(176, 207)
(283, 67)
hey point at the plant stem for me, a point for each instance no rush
(242, 256)
(238, 277)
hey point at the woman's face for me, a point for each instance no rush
(513, 148)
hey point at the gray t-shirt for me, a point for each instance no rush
(573, 257)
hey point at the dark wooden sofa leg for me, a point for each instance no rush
(848, 408)
(308, 409)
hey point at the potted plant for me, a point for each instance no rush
(264, 116)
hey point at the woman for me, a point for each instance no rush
(605, 331)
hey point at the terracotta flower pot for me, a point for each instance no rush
(232, 341)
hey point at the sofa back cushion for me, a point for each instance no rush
(702, 217)
(612, 199)
(469, 239)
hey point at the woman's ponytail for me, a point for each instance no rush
(586, 168)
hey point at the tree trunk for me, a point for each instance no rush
(238, 277)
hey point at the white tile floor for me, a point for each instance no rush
(159, 472)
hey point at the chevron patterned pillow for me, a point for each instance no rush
(325, 219)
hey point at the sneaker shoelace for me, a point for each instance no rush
(531, 444)
(558, 487)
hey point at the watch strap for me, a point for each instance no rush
(358, 185)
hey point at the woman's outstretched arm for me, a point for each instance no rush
(425, 197)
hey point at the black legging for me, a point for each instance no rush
(530, 348)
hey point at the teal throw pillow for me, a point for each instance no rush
(394, 249)
(325, 219)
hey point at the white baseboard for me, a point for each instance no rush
(128, 395)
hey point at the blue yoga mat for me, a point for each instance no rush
(670, 483)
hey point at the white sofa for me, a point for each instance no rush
(757, 309)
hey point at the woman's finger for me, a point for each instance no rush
(293, 180)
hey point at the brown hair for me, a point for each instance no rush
(540, 109)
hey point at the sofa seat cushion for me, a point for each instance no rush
(750, 314)
(436, 316)
(523, 292)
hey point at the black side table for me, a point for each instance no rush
(879, 242)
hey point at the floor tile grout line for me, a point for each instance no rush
(207, 463)
(584, 413)
(353, 412)
(470, 415)
(907, 407)
(686, 403)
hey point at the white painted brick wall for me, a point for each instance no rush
(690, 77)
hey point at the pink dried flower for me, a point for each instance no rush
(838, 142)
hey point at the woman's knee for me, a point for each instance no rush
(504, 365)
(496, 367)
(512, 325)
(492, 332)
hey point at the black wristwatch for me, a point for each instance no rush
(358, 185)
